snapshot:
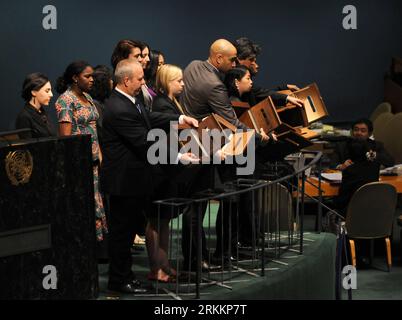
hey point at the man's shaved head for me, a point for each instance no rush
(222, 54)
(221, 46)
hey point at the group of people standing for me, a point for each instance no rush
(118, 107)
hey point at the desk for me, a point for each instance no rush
(331, 190)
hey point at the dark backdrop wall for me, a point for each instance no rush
(302, 42)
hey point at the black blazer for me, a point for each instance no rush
(39, 123)
(125, 169)
(258, 94)
(162, 103)
(353, 177)
(342, 152)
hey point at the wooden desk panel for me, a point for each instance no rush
(331, 190)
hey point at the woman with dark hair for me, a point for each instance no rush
(77, 114)
(145, 51)
(37, 92)
(156, 60)
(138, 50)
(101, 90)
(145, 96)
(238, 82)
(126, 49)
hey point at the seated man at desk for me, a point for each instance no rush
(362, 129)
(364, 168)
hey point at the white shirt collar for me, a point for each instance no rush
(132, 99)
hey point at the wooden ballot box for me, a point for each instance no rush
(261, 116)
(265, 116)
(314, 105)
(314, 108)
(231, 141)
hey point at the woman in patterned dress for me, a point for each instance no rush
(77, 114)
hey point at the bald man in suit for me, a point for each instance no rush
(205, 93)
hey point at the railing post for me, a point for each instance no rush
(302, 211)
(319, 213)
(199, 253)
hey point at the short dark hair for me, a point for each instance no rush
(234, 74)
(246, 48)
(365, 121)
(33, 82)
(123, 49)
(73, 69)
(101, 89)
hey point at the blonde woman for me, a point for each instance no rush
(169, 85)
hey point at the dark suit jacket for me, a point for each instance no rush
(258, 94)
(162, 103)
(205, 93)
(125, 170)
(39, 124)
(353, 177)
(342, 152)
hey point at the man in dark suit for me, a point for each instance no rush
(126, 174)
(364, 168)
(362, 129)
(205, 93)
(247, 52)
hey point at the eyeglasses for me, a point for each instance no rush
(233, 59)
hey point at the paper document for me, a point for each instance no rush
(335, 177)
(395, 170)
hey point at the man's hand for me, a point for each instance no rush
(292, 87)
(344, 165)
(189, 120)
(220, 154)
(264, 136)
(295, 101)
(188, 157)
(274, 137)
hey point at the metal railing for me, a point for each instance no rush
(266, 214)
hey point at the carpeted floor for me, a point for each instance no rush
(288, 275)
(374, 282)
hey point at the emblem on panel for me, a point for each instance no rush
(19, 166)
